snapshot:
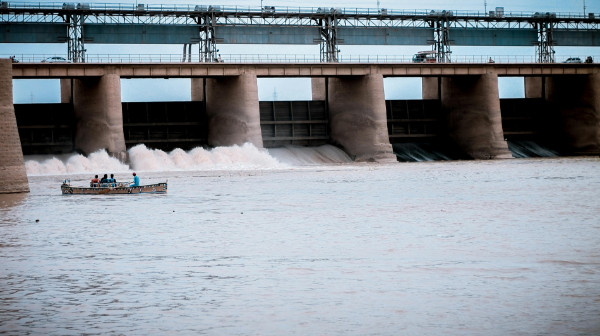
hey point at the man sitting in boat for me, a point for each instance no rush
(112, 178)
(104, 179)
(136, 181)
(95, 182)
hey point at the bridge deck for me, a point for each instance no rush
(187, 70)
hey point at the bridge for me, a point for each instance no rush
(78, 24)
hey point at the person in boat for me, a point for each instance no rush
(112, 179)
(95, 180)
(104, 179)
(136, 181)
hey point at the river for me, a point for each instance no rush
(314, 246)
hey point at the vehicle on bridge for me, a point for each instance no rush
(56, 59)
(113, 188)
(573, 60)
(424, 57)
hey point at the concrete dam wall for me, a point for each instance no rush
(462, 110)
(50, 128)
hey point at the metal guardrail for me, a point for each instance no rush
(275, 58)
(282, 10)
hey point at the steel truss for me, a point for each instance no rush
(329, 44)
(208, 45)
(76, 44)
(327, 20)
(544, 52)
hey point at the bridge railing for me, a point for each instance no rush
(281, 58)
(87, 6)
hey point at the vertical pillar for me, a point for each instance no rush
(533, 87)
(99, 115)
(66, 92)
(474, 121)
(430, 87)
(318, 88)
(197, 89)
(357, 117)
(232, 111)
(13, 177)
(575, 103)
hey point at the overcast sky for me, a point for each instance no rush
(39, 91)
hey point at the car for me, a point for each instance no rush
(573, 60)
(56, 59)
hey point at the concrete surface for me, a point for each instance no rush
(13, 177)
(474, 122)
(232, 111)
(357, 118)
(99, 116)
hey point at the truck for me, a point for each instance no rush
(424, 57)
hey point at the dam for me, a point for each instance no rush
(460, 110)
(461, 107)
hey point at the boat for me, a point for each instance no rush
(120, 188)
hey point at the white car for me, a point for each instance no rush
(56, 59)
(573, 60)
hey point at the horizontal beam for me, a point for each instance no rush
(289, 122)
(172, 10)
(199, 70)
(413, 135)
(37, 144)
(295, 138)
(163, 140)
(187, 123)
(412, 120)
(44, 126)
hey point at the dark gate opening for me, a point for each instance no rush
(46, 128)
(165, 125)
(297, 123)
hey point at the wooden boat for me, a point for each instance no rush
(113, 188)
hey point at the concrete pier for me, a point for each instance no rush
(233, 111)
(13, 177)
(197, 89)
(318, 88)
(533, 87)
(575, 104)
(357, 117)
(474, 121)
(66, 93)
(99, 116)
(430, 86)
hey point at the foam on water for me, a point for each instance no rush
(142, 158)
(95, 163)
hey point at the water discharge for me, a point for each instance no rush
(142, 158)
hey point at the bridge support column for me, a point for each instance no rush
(232, 111)
(533, 87)
(473, 120)
(99, 115)
(197, 89)
(430, 87)
(357, 117)
(318, 88)
(13, 177)
(575, 103)
(66, 93)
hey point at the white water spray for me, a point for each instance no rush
(142, 158)
(246, 156)
(97, 163)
